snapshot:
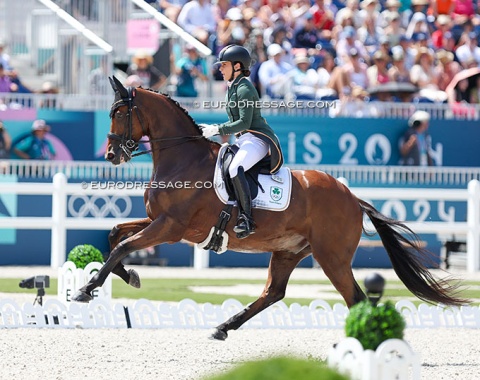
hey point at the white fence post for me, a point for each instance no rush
(201, 257)
(473, 222)
(59, 218)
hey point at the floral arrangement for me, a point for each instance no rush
(371, 325)
(84, 254)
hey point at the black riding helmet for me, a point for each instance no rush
(235, 53)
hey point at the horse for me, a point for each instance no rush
(324, 218)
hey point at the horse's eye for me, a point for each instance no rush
(118, 115)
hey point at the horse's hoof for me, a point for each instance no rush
(219, 335)
(134, 279)
(82, 296)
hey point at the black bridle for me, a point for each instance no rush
(127, 143)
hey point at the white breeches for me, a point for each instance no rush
(252, 150)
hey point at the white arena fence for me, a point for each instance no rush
(60, 222)
(360, 174)
(144, 314)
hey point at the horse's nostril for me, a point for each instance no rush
(110, 156)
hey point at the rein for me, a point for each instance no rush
(127, 144)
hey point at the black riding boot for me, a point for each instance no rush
(245, 224)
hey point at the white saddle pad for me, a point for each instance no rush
(278, 188)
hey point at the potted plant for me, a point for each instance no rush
(83, 262)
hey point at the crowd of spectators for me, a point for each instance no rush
(341, 49)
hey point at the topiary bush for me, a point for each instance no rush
(281, 368)
(371, 325)
(84, 254)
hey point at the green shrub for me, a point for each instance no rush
(84, 254)
(371, 325)
(280, 368)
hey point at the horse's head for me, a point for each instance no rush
(125, 129)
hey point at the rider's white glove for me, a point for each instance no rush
(209, 130)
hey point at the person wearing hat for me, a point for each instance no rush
(443, 23)
(36, 146)
(305, 80)
(142, 65)
(398, 72)
(254, 137)
(272, 73)
(446, 68)
(347, 42)
(378, 72)
(416, 145)
(469, 50)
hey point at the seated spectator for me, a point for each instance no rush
(325, 71)
(142, 65)
(443, 24)
(398, 72)
(197, 18)
(271, 12)
(231, 30)
(463, 10)
(353, 74)
(6, 84)
(441, 7)
(5, 142)
(369, 34)
(323, 19)
(378, 72)
(306, 35)
(5, 59)
(446, 68)
(258, 51)
(350, 11)
(469, 50)
(394, 31)
(418, 24)
(304, 78)
(347, 19)
(272, 73)
(346, 43)
(190, 68)
(369, 9)
(423, 76)
(391, 8)
(171, 8)
(410, 53)
(36, 146)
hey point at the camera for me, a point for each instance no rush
(37, 282)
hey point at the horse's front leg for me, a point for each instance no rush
(118, 232)
(155, 233)
(281, 266)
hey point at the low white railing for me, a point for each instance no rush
(59, 222)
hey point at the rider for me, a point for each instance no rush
(254, 137)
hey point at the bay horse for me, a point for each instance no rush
(324, 218)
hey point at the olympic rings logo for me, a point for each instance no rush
(80, 206)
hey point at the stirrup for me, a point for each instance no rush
(245, 226)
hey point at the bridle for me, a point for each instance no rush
(127, 143)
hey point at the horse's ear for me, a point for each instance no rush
(119, 87)
(112, 83)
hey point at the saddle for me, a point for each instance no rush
(261, 167)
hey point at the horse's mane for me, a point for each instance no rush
(176, 103)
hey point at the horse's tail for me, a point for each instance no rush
(407, 256)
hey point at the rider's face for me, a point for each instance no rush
(226, 68)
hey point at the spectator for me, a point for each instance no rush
(378, 72)
(350, 11)
(443, 23)
(398, 72)
(305, 79)
(441, 7)
(98, 78)
(133, 81)
(5, 142)
(142, 65)
(306, 35)
(394, 30)
(463, 10)
(5, 59)
(410, 53)
(231, 30)
(369, 34)
(197, 17)
(418, 24)
(391, 8)
(323, 19)
(272, 73)
(36, 146)
(188, 69)
(416, 145)
(258, 51)
(423, 76)
(348, 42)
(346, 19)
(353, 74)
(171, 8)
(446, 68)
(271, 12)
(325, 71)
(469, 50)
(369, 9)
(6, 84)
(49, 90)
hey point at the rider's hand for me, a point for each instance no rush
(209, 130)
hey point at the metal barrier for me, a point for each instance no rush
(59, 222)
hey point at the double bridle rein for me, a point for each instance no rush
(127, 143)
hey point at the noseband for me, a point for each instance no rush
(127, 143)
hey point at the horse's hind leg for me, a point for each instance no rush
(281, 266)
(116, 234)
(336, 264)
